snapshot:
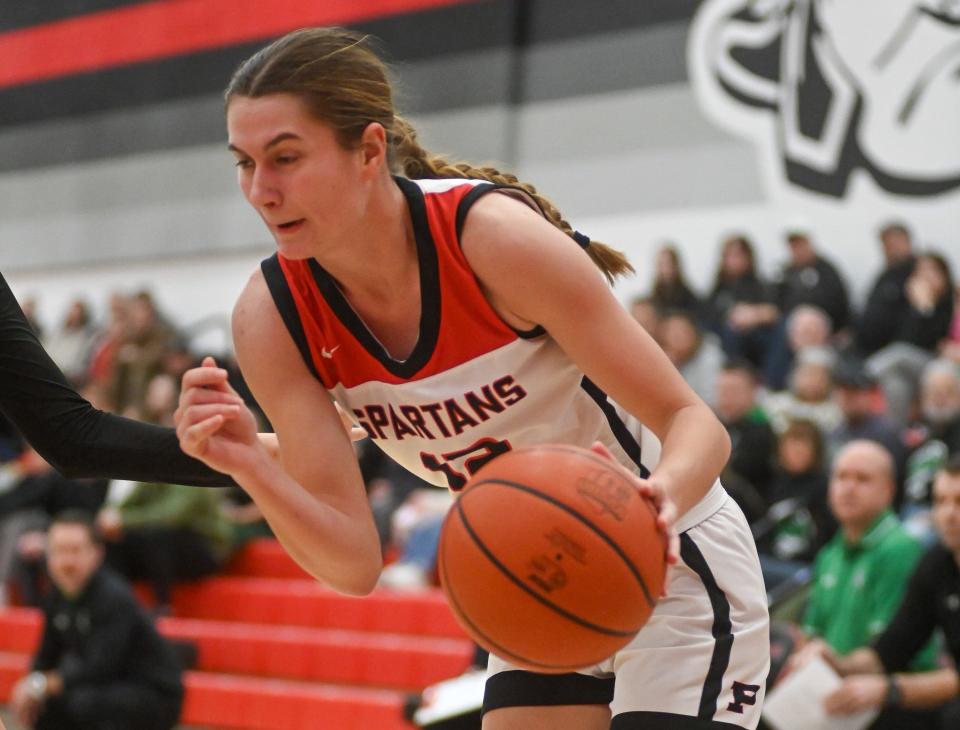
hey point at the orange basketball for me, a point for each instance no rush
(551, 558)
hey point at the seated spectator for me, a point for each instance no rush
(931, 440)
(741, 309)
(875, 675)
(860, 576)
(855, 392)
(416, 534)
(810, 394)
(748, 473)
(165, 534)
(36, 493)
(695, 353)
(798, 521)
(887, 298)
(140, 354)
(670, 289)
(950, 346)
(917, 333)
(807, 326)
(101, 664)
(646, 313)
(810, 279)
(70, 345)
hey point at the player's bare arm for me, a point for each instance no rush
(314, 497)
(534, 274)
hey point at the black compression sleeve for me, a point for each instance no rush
(75, 437)
(915, 621)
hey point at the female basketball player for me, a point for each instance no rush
(455, 314)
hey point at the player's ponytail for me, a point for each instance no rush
(414, 162)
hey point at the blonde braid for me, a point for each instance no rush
(416, 163)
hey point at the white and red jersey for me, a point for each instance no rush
(473, 387)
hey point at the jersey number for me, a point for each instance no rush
(483, 451)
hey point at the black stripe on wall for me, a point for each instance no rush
(15, 14)
(404, 38)
(408, 38)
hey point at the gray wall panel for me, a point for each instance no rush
(599, 155)
(608, 62)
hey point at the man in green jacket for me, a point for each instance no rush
(860, 576)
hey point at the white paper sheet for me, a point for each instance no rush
(797, 702)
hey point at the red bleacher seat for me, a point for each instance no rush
(277, 651)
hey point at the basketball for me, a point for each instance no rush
(551, 559)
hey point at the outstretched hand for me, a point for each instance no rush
(666, 509)
(213, 423)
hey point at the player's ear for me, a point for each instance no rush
(373, 145)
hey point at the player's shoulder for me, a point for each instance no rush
(254, 313)
(501, 232)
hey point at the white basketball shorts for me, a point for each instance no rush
(700, 662)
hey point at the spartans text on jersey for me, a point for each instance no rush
(440, 419)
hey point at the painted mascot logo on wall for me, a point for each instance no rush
(831, 90)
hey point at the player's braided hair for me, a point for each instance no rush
(417, 163)
(344, 83)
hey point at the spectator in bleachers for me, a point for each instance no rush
(140, 355)
(748, 473)
(742, 310)
(165, 534)
(809, 395)
(35, 494)
(809, 278)
(646, 313)
(874, 675)
(101, 664)
(798, 521)
(887, 297)
(416, 535)
(695, 353)
(107, 343)
(70, 344)
(931, 440)
(922, 324)
(671, 292)
(860, 576)
(855, 392)
(807, 326)
(950, 347)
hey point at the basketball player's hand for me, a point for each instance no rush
(857, 693)
(666, 509)
(213, 423)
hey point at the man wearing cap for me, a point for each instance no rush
(855, 391)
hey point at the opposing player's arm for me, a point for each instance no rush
(534, 274)
(315, 503)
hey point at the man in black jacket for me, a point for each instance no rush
(887, 300)
(101, 663)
